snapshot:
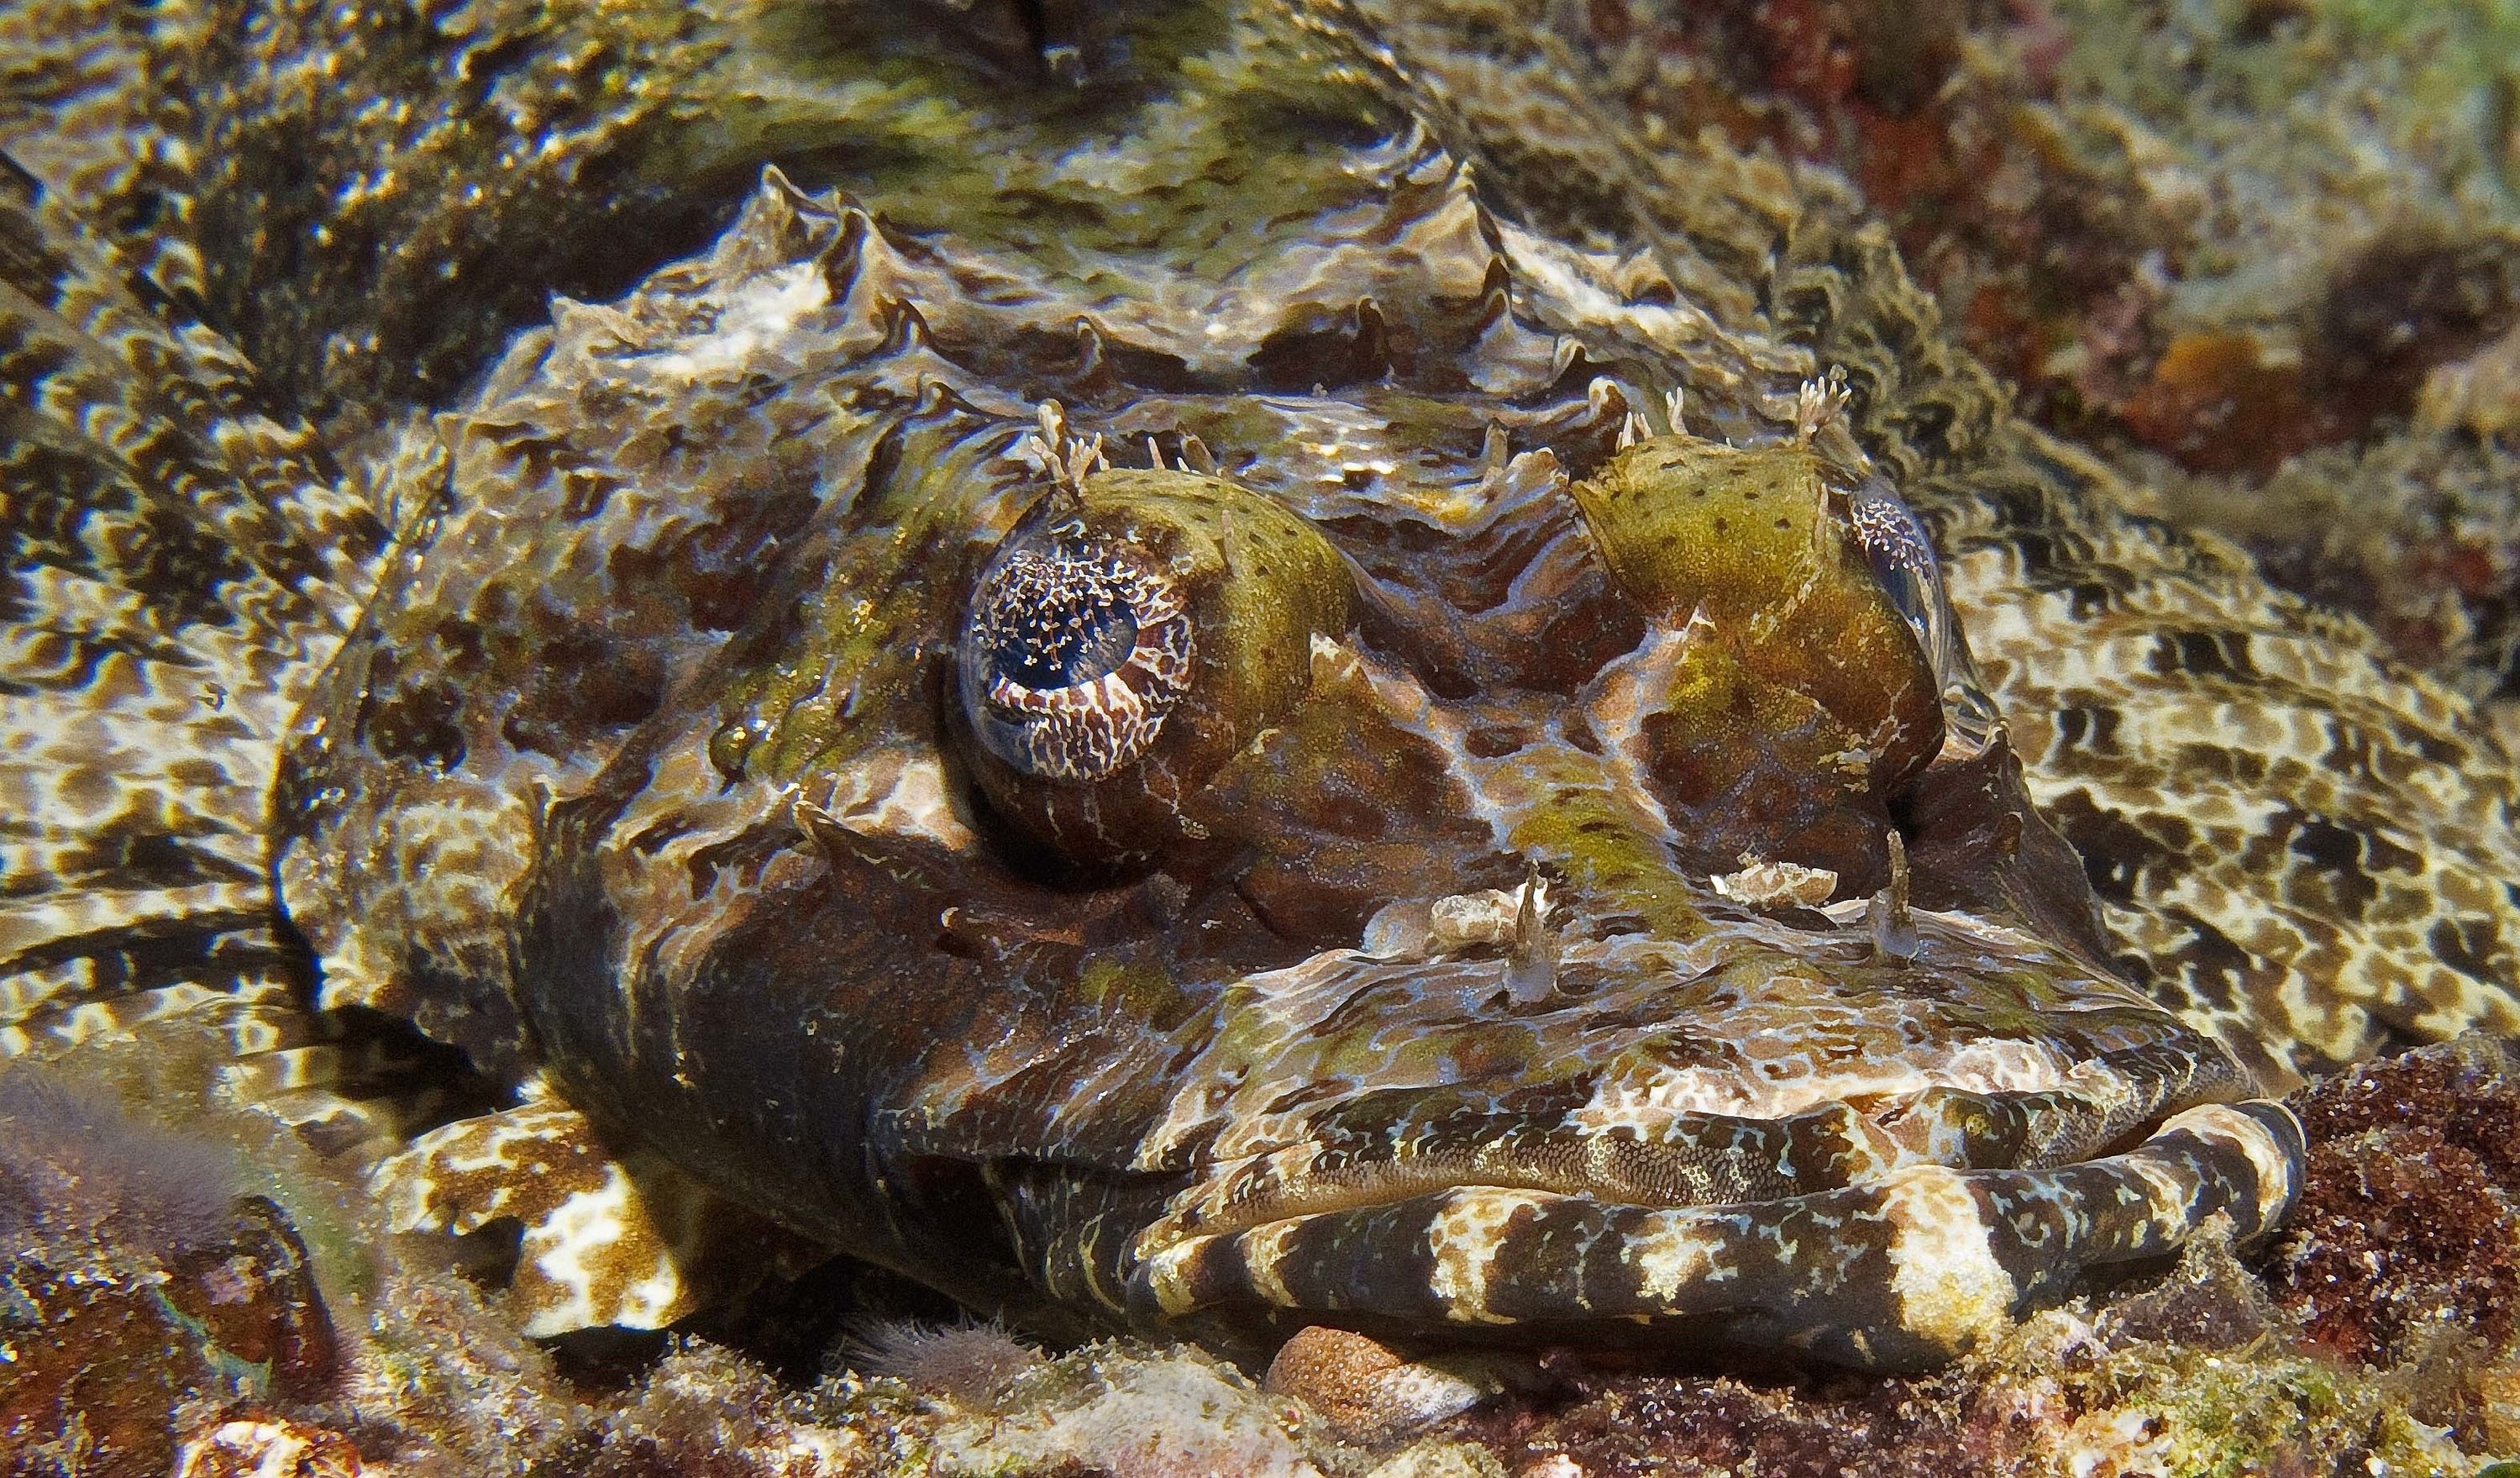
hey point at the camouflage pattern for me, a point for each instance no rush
(1584, 883)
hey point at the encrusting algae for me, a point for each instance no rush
(1331, 681)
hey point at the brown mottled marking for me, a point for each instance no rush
(643, 770)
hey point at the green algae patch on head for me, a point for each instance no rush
(1747, 539)
(1135, 632)
(846, 680)
(1686, 523)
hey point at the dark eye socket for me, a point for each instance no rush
(1075, 650)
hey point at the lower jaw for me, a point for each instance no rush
(1900, 1271)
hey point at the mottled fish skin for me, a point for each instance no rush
(1185, 1042)
(181, 559)
(648, 776)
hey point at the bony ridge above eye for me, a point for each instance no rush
(1795, 692)
(1135, 631)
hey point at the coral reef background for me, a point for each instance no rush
(2260, 250)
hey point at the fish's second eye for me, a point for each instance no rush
(1894, 541)
(1076, 651)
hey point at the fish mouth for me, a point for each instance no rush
(1397, 1147)
(1903, 1265)
(1753, 1150)
(1661, 1081)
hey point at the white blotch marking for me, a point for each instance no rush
(1950, 1289)
(1264, 1249)
(1164, 1273)
(2221, 1123)
(762, 309)
(1672, 1251)
(898, 792)
(574, 1250)
(1463, 1237)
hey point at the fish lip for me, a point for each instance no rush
(1904, 1272)
(1680, 1160)
(1669, 1089)
(1704, 1160)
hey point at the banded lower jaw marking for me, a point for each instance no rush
(1689, 1160)
(1902, 1271)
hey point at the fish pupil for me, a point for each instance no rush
(1063, 648)
(1059, 624)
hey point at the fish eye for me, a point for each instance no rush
(1895, 542)
(1129, 636)
(1075, 651)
